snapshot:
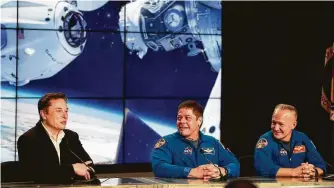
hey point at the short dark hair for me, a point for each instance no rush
(196, 107)
(44, 102)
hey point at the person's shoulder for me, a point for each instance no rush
(265, 140)
(168, 139)
(32, 132)
(30, 135)
(267, 135)
(300, 135)
(209, 138)
(171, 137)
(164, 140)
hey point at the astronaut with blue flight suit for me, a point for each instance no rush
(284, 151)
(189, 153)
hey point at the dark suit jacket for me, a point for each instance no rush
(39, 160)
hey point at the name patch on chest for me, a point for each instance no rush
(299, 149)
(188, 151)
(208, 151)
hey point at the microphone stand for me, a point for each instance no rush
(90, 170)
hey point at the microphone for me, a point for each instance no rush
(90, 169)
(221, 176)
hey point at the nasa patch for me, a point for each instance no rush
(160, 143)
(283, 152)
(262, 143)
(188, 151)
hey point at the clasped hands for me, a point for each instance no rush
(81, 169)
(305, 170)
(207, 172)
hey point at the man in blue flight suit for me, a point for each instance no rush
(284, 151)
(189, 153)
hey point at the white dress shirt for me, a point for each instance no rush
(56, 140)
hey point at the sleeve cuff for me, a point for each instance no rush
(228, 171)
(186, 171)
(274, 171)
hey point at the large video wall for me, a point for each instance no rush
(124, 65)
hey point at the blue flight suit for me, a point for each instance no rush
(272, 154)
(174, 156)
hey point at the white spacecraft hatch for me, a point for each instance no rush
(168, 25)
(51, 35)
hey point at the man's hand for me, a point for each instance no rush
(211, 172)
(305, 170)
(297, 172)
(308, 170)
(196, 172)
(81, 169)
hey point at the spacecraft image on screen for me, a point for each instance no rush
(168, 25)
(47, 52)
(125, 66)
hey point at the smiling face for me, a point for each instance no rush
(55, 116)
(188, 124)
(282, 124)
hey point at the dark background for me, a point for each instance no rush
(274, 53)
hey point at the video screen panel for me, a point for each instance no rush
(8, 122)
(182, 17)
(9, 61)
(113, 65)
(179, 73)
(48, 64)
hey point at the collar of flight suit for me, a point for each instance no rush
(293, 140)
(201, 138)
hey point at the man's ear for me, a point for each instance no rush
(43, 114)
(294, 125)
(200, 121)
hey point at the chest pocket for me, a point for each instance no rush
(184, 157)
(210, 153)
(282, 157)
(298, 154)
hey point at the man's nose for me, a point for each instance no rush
(65, 115)
(183, 120)
(275, 126)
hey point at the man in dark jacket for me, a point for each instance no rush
(49, 153)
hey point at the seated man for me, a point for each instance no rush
(49, 153)
(189, 153)
(284, 151)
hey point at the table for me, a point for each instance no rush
(153, 182)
